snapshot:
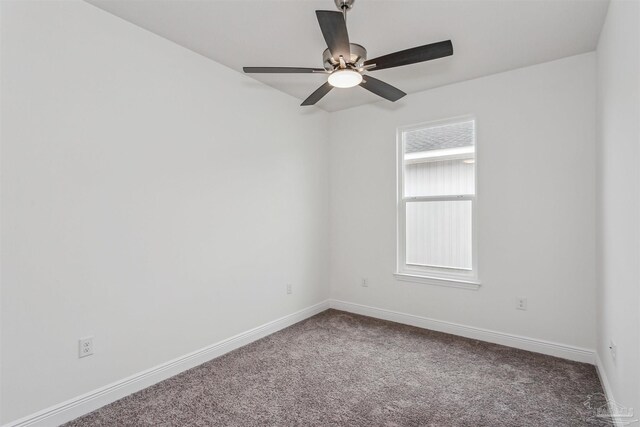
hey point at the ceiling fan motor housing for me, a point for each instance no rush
(358, 56)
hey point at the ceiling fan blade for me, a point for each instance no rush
(382, 89)
(318, 94)
(412, 56)
(334, 30)
(282, 70)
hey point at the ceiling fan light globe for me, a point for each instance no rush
(345, 78)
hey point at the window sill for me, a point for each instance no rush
(439, 281)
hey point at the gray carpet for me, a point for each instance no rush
(340, 369)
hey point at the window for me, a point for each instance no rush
(437, 203)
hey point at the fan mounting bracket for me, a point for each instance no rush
(343, 5)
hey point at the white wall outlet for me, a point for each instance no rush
(289, 288)
(364, 282)
(613, 348)
(85, 347)
(521, 303)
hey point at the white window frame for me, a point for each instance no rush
(451, 277)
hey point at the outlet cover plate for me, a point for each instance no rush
(85, 347)
(521, 303)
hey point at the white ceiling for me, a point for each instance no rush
(488, 36)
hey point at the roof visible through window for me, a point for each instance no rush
(452, 135)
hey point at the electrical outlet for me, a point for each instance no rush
(289, 288)
(521, 303)
(613, 348)
(364, 282)
(85, 347)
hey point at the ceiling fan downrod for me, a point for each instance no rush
(344, 6)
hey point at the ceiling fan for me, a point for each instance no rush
(346, 62)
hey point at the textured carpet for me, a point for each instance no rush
(340, 369)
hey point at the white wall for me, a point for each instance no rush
(619, 200)
(150, 197)
(536, 216)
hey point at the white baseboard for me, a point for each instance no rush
(530, 344)
(78, 406)
(608, 393)
(81, 405)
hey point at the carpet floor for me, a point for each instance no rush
(341, 369)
